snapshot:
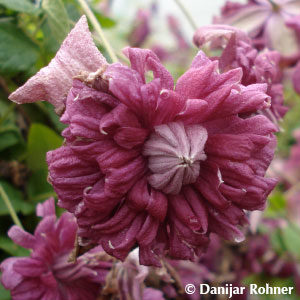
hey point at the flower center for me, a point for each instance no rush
(174, 153)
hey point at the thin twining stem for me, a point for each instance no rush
(98, 29)
(10, 208)
(187, 14)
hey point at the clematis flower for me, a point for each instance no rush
(149, 165)
(131, 280)
(175, 29)
(230, 263)
(271, 23)
(188, 272)
(227, 263)
(47, 274)
(127, 280)
(203, 270)
(257, 255)
(141, 28)
(237, 50)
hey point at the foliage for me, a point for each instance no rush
(30, 34)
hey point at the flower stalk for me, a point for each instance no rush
(98, 29)
(10, 207)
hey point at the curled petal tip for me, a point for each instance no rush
(52, 83)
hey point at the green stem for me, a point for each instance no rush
(187, 14)
(119, 55)
(98, 29)
(10, 208)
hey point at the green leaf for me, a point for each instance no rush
(50, 43)
(261, 279)
(277, 205)
(17, 52)
(8, 139)
(11, 141)
(41, 139)
(253, 278)
(105, 21)
(72, 11)
(49, 111)
(20, 5)
(277, 241)
(16, 199)
(290, 123)
(291, 238)
(7, 245)
(38, 188)
(4, 294)
(57, 18)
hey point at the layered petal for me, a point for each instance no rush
(149, 165)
